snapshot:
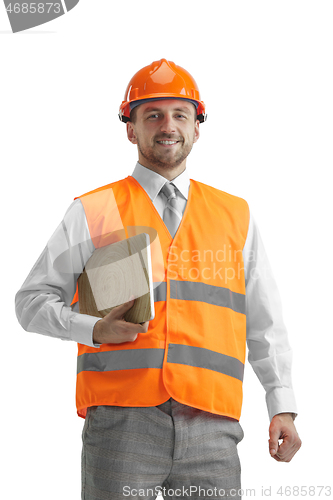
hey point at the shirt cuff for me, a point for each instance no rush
(281, 400)
(82, 326)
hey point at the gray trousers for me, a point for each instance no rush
(172, 449)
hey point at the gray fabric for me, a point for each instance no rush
(130, 359)
(205, 358)
(170, 446)
(211, 294)
(173, 211)
(127, 359)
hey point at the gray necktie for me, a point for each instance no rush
(173, 211)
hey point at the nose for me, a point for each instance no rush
(168, 125)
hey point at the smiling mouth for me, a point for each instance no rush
(167, 143)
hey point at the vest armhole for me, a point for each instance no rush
(248, 215)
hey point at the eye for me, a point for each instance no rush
(153, 116)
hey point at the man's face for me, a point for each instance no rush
(164, 132)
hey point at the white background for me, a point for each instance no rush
(264, 70)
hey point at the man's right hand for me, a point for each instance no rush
(114, 329)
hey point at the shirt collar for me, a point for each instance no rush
(152, 182)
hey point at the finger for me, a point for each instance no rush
(284, 457)
(123, 308)
(273, 442)
(285, 447)
(128, 327)
(288, 449)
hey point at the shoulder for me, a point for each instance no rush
(113, 185)
(217, 195)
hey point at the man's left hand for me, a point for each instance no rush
(282, 427)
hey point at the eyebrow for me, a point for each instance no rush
(150, 109)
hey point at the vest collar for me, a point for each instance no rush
(153, 208)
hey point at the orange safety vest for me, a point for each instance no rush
(194, 349)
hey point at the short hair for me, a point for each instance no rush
(133, 114)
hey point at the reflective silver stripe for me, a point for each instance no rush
(125, 359)
(218, 296)
(160, 292)
(205, 358)
(129, 359)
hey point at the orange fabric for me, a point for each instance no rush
(161, 79)
(207, 248)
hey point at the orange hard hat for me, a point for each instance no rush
(161, 80)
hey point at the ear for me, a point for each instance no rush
(196, 131)
(131, 133)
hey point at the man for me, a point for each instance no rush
(162, 399)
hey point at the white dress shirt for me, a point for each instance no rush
(43, 302)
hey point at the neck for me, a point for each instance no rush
(169, 173)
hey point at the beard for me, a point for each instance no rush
(167, 158)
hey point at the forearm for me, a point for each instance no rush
(270, 353)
